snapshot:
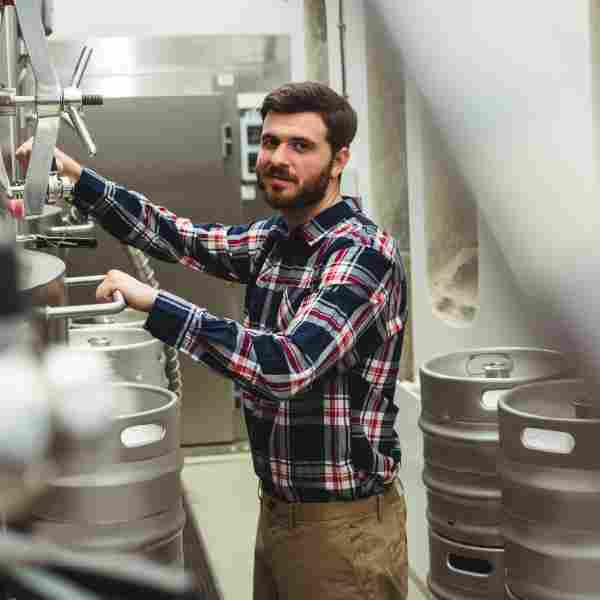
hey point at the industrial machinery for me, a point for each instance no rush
(50, 436)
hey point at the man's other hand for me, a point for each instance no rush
(138, 295)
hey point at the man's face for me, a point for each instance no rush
(295, 166)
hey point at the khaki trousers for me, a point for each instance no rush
(329, 551)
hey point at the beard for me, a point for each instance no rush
(309, 194)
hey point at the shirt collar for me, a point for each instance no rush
(323, 223)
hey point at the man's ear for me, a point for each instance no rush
(340, 161)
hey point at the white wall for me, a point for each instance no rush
(74, 19)
(510, 87)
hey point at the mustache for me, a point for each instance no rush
(279, 173)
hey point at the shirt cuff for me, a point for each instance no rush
(170, 318)
(90, 188)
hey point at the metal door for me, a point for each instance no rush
(169, 149)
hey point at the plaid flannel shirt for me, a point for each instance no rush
(316, 359)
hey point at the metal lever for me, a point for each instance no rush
(82, 130)
(71, 113)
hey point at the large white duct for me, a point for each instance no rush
(510, 86)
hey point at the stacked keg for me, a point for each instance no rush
(459, 421)
(133, 503)
(550, 475)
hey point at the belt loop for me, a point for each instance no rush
(291, 515)
(379, 507)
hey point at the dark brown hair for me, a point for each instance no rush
(311, 96)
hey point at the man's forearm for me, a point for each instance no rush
(67, 166)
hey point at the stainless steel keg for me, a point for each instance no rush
(134, 503)
(550, 474)
(134, 354)
(459, 394)
(462, 572)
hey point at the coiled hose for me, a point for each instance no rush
(145, 273)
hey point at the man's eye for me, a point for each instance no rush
(269, 143)
(300, 146)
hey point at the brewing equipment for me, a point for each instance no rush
(132, 504)
(550, 475)
(43, 286)
(460, 393)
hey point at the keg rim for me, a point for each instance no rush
(111, 329)
(425, 368)
(174, 401)
(503, 404)
(496, 550)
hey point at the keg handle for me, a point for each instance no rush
(152, 432)
(469, 566)
(547, 440)
(166, 422)
(86, 310)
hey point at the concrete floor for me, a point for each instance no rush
(222, 491)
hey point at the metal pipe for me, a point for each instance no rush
(81, 66)
(117, 305)
(342, 28)
(11, 53)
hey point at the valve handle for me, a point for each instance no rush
(71, 114)
(82, 130)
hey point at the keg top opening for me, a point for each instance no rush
(483, 364)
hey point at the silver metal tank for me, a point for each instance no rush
(463, 572)
(459, 394)
(42, 284)
(43, 287)
(550, 475)
(133, 504)
(134, 354)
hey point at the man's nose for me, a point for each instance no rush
(280, 155)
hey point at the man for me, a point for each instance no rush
(316, 359)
